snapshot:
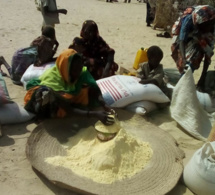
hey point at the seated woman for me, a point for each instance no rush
(66, 87)
(99, 57)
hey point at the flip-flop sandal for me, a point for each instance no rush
(165, 34)
(160, 35)
(3, 73)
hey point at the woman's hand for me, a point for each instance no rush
(105, 117)
(108, 108)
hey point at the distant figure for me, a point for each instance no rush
(111, 1)
(129, 1)
(165, 15)
(50, 12)
(150, 11)
(98, 56)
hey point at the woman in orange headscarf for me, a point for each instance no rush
(67, 86)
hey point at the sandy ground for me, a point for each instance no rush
(123, 27)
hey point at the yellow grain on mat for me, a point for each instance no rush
(104, 162)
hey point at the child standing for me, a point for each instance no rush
(50, 12)
(152, 71)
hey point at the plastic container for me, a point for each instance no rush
(141, 57)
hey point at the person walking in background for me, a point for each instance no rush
(165, 15)
(50, 12)
(129, 1)
(150, 11)
(111, 1)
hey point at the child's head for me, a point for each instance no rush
(48, 31)
(155, 55)
(78, 45)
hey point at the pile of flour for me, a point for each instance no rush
(104, 162)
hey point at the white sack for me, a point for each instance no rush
(142, 107)
(34, 72)
(199, 173)
(121, 90)
(14, 113)
(186, 109)
(206, 101)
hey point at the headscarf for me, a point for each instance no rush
(64, 63)
(58, 77)
(177, 25)
(203, 13)
(89, 26)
